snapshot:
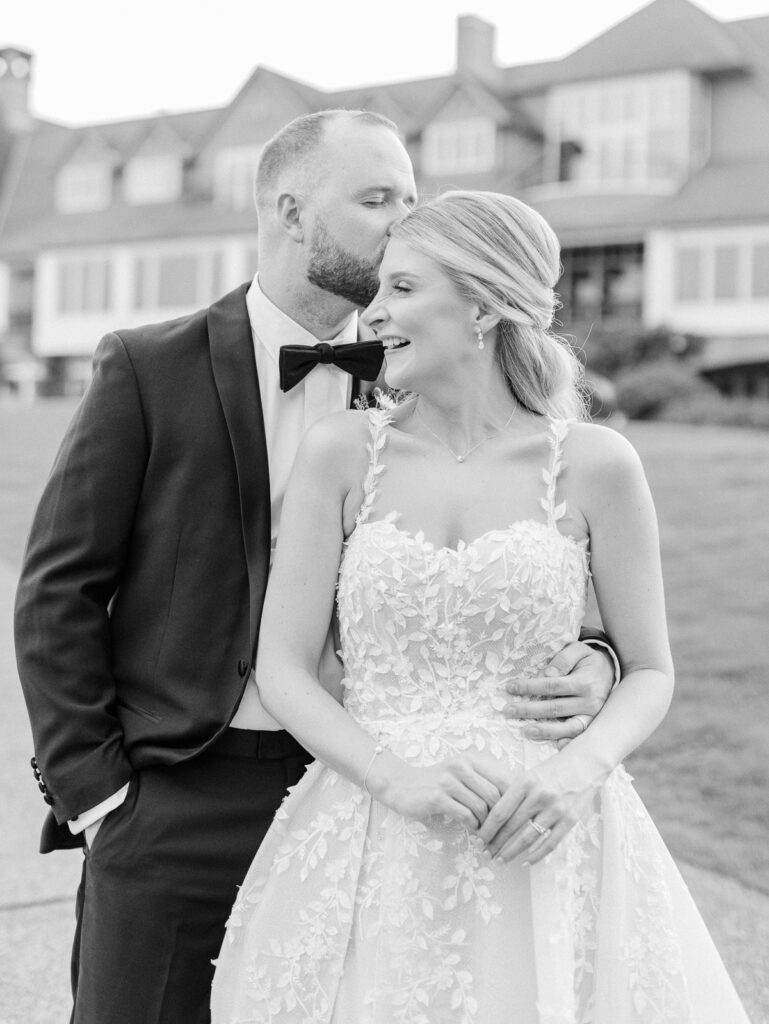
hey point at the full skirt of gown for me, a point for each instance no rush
(352, 914)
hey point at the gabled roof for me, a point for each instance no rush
(417, 97)
(665, 35)
(379, 101)
(90, 145)
(589, 219)
(27, 192)
(525, 78)
(161, 137)
(754, 30)
(127, 223)
(725, 191)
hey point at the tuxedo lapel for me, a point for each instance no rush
(234, 366)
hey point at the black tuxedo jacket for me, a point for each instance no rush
(142, 586)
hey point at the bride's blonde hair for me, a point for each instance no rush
(503, 256)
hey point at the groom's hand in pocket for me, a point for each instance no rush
(561, 703)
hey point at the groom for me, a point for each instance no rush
(140, 597)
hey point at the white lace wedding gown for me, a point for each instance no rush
(351, 914)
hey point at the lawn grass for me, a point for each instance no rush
(705, 774)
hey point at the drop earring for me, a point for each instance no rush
(479, 336)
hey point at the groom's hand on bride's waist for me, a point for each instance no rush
(562, 702)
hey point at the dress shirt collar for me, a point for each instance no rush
(273, 328)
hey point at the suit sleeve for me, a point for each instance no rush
(598, 639)
(72, 568)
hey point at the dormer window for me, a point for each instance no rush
(153, 179)
(234, 176)
(466, 146)
(84, 186)
(624, 132)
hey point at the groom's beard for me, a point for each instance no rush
(335, 270)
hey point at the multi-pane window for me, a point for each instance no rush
(459, 146)
(85, 285)
(234, 176)
(176, 280)
(733, 269)
(726, 267)
(626, 131)
(601, 283)
(153, 179)
(688, 273)
(82, 186)
(760, 271)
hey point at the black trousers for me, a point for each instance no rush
(161, 876)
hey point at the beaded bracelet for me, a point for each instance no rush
(377, 750)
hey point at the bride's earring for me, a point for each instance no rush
(479, 336)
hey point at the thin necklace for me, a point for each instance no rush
(463, 456)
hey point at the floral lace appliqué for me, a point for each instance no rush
(352, 914)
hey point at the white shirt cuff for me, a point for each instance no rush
(612, 654)
(96, 813)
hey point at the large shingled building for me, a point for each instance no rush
(647, 149)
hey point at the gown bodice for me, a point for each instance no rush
(431, 635)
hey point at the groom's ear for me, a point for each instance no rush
(290, 209)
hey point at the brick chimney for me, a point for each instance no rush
(15, 75)
(475, 45)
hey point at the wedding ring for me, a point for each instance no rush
(584, 721)
(538, 828)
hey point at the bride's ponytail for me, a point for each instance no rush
(504, 256)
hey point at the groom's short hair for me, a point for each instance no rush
(299, 140)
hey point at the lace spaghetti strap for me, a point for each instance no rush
(557, 432)
(378, 421)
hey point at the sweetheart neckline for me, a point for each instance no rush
(413, 538)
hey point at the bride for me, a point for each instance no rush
(434, 864)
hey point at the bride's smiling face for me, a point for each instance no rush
(427, 327)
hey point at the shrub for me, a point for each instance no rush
(609, 351)
(644, 391)
(717, 410)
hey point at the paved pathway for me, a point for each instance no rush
(36, 893)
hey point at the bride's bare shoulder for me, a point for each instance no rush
(335, 440)
(600, 456)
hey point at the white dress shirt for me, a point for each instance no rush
(324, 390)
(287, 415)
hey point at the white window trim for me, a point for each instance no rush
(481, 131)
(73, 197)
(234, 175)
(707, 241)
(102, 284)
(639, 127)
(153, 178)
(208, 274)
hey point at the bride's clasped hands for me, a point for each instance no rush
(464, 788)
(513, 812)
(541, 806)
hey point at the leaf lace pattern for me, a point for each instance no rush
(351, 914)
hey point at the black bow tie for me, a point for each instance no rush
(361, 359)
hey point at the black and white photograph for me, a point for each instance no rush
(384, 549)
